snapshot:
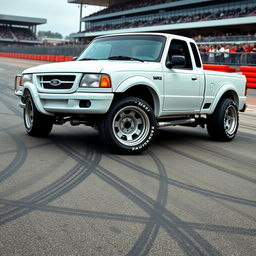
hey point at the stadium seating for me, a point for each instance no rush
(174, 19)
(131, 5)
(16, 33)
(5, 33)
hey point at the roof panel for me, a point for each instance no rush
(98, 2)
(20, 20)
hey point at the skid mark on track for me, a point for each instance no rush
(124, 218)
(18, 160)
(201, 191)
(147, 237)
(224, 154)
(183, 233)
(11, 107)
(215, 166)
(58, 188)
(188, 240)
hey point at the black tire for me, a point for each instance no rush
(36, 123)
(129, 126)
(222, 125)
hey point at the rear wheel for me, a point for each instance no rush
(129, 126)
(36, 123)
(223, 123)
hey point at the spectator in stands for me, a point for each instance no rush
(226, 54)
(239, 50)
(252, 55)
(233, 52)
(221, 51)
(212, 53)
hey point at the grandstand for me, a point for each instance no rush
(195, 18)
(19, 30)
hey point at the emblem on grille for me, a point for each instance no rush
(55, 82)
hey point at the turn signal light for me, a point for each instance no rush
(105, 81)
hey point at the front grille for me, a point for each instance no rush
(57, 82)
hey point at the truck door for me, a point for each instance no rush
(184, 84)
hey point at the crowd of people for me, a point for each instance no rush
(233, 13)
(229, 54)
(224, 37)
(210, 15)
(144, 3)
(5, 33)
(23, 34)
(131, 5)
(16, 33)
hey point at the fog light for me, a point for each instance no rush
(84, 103)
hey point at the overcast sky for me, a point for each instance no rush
(61, 16)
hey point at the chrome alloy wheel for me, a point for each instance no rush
(230, 120)
(29, 113)
(131, 125)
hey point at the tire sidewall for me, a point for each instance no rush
(41, 125)
(108, 128)
(216, 125)
(29, 129)
(227, 105)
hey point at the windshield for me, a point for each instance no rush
(126, 47)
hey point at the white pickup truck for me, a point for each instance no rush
(127, 86)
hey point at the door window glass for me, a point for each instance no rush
(180, 47)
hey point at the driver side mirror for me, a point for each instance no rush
(74, 58)
(176, 60)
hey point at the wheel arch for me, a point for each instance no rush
(29, 90)
(226, 92)
(140, 88)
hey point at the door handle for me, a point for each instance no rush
(193, 78)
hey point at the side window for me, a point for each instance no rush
(179, 47)
(196, 55)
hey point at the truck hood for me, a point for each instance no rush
(97, 66)
(71, 66)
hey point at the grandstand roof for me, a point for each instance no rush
(98, 2)
(20, 20)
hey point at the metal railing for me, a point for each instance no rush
(226, 39)
(66, 50)
(236, 59)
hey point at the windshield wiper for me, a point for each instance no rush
(87, 59)
(124, 58)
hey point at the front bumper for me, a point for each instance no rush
(50, 104)
(68, 99)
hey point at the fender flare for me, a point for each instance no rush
(140, 80)
(227, 87)
(34, 94)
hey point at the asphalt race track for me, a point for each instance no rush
(68, 195)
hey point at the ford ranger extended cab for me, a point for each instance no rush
(127, 86)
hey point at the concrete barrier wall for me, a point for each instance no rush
(66, 50)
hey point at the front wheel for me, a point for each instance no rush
(36, 123)
(129, 126)
(222, 125)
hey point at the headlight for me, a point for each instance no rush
(25, 78)
(95, 80)
(90, 80)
